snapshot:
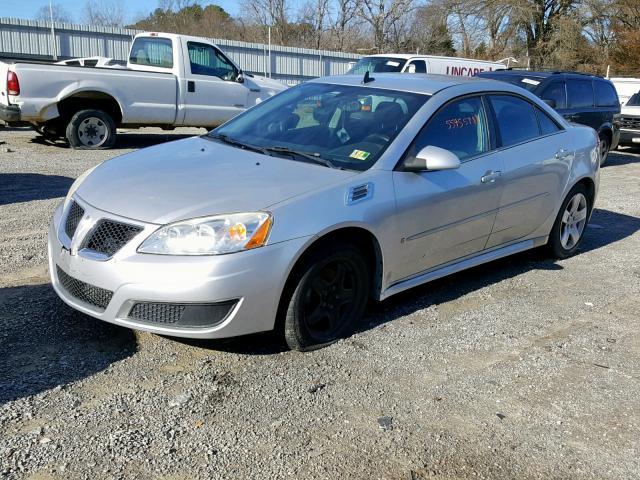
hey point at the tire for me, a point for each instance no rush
(329, 294)
(91, 130)
(571, 223)
(605, 147)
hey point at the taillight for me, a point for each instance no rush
(13, 85)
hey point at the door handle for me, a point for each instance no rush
(191, 86)
(562, 154)
(491, 176)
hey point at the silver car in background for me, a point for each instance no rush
(297, 212)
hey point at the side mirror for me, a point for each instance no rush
(548, 101)
(431, 158)
(412, 68)
(240, 78)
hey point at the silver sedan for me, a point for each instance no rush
(294, 214)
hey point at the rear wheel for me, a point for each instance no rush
(91, 130)
(571, 223)
(605, 146)
(330, 293)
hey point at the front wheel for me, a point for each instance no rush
(568, 230)
(91, 130)
(330, 294)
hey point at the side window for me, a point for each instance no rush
(460, 127)
(580, 93)
(206, 60)
(606, 95)
(152, 51)
(517, 121)
(547, 124)
(555, 92)
(417, 66)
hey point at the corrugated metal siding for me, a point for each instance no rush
(32, 38)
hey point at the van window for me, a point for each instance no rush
(517, 121)
(419, 66)
(580, 93)
(460, 127)
(556, 92)
(377, 64)
(152, 51)
(206, 60)
(606, 95)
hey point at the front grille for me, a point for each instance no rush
(96, 296)
(108, 237)
(76, 212)
(183, 315)
(157, 312)
(632, 123)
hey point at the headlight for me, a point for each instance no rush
(210, 235)
(75, 185)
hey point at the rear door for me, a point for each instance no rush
(449, 214)
(213, 94)
(535, 154)
(581, 106)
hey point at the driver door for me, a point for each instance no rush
(449, 214)
(212, 94)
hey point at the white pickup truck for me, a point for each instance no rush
(170, 80)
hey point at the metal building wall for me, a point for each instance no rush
(31, 38)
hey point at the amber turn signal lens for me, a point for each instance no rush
(260, 237)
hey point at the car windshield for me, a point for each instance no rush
(377, 64)
(338, 126)
(634, 101)
(524, 81)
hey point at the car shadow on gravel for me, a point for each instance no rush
(25, 187)
(622, 157)
(606, 227)
(46, 344)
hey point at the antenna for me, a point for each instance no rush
(367, 78)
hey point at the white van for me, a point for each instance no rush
(408, 63)
(626, 87)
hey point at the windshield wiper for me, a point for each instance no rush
(311, 156)
(236, 143)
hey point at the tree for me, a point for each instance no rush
(59, 13)
(104, 13)
(384, 17)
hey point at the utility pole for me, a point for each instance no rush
(54, 48)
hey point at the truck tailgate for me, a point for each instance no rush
(4, 98)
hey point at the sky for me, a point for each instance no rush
(135, 8)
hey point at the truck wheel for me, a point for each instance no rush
(91, 130)
(330, 293)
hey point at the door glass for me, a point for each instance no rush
(580, 93)
(460, 127)
(154, 52)
(516, 117)
(555, 92)
(606, 95)
(418, 66)
(206, 60)
(547, 124)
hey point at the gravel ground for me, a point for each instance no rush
(524, 368)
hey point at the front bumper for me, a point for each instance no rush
(629, 137)
(249, 282)
(10, 113)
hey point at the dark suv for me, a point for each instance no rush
(578, 97)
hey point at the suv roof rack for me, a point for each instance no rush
(553, 71)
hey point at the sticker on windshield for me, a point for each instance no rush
(391, 63)
(530, 82)
(359, 154)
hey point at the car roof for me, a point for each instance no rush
(427, 84)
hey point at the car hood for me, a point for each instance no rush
(266, 83)
(628, 110)
(197, 177)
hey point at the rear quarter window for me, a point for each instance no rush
(606, 95)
